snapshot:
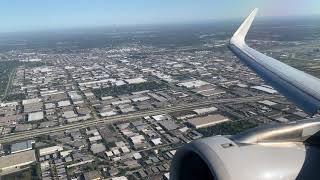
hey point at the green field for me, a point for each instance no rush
(6, 69)
(228, 128)
(128, 88)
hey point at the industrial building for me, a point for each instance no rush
(135, 80)
(16, 162)
(206, 121)
(207, 110)
(35, 116)
(50, 150)
(21, 146)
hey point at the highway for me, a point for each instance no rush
(125, 117)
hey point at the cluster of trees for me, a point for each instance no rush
(228, 128)
(13, 97)
(128, 88)
(6, 67)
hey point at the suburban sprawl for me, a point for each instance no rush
(117, 103)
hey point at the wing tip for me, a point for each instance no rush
(239, 36)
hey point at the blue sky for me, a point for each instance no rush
(21, 15)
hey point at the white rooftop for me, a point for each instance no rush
(159, 117)
(156, 141)
(193, 84)
(109, 153)
(125, 149)
(137, 156)
(137, 139)
(265, 89)
(205, 110)
(35, 116)
(119, 178)
(135, 80)
(64, 103)
(30, 101)
(50, 150)
(120, 144)
(267, 102)
(116, 151)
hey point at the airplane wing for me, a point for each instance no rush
(279, 151)
(298, 86)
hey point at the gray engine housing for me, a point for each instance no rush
(221, 158)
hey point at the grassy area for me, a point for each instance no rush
(6, 67)
(35, 171)
(228, 128)
(128, 88)
(13, 97)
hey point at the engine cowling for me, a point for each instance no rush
(226, 158)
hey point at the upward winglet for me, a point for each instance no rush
(239, 36)
(299, 87)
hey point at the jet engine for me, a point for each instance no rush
(271, 152)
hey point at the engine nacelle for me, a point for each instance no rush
(221, 158)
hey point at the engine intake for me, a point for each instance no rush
(255, 154)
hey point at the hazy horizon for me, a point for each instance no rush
(33, 15)
(160, 24)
